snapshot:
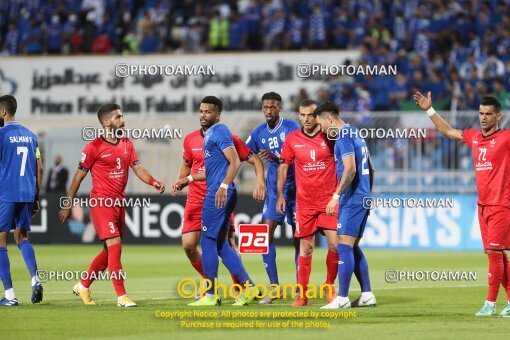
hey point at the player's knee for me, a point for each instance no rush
(189, 247)
(306, 250)
(332, 247)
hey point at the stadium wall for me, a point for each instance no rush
(412, 227)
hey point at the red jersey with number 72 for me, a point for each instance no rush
(314, 168)
(109, 165)
(193, 154)
(491, 158)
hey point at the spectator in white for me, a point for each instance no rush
(493, 67)
(468, 66)
(57, 179)
(95, 11)
(12, 40)
(193, 36)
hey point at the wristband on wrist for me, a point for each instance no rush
(336, 197)
(152, 181)
(224, 186)
(190, 178)
(431, 111)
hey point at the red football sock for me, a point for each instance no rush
(99, 264)
(506, 275)
(198, 267)
(331, 266)
(496, 272)
(235, 280)
(115, 268)
(304, 270)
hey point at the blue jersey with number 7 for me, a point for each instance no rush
(18, 163)
(349, 144)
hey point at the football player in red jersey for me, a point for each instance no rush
(490, 147)
(108, 158)
(192, 173)
(312, 154)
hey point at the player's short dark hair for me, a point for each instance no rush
(271, 96)
(9, 103)
(106, 110)
(326, 108)
(307, 102)
(214, 101)
(491, 100)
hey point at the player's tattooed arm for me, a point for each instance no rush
(234, 165)
(372, 171)
(65, 209)
(281, 178)
(146, 177)
(259, 193)
(425, 103)
(346, 180)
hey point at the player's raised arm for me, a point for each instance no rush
(65, 212)
(146, 177)
(425, 103)
(259, 193)
(233, 158)
(348, 175)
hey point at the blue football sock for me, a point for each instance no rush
(5, 268)
(270, 264)
(361, 269)
(210, 261)
(29, 256)
(345, 268)
(232, 261)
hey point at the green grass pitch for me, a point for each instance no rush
(405, 309)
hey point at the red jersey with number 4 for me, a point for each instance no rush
(109, 165)
(193, 154)
(314, 164)
(491, 157)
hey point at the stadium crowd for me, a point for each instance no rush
(457, 49)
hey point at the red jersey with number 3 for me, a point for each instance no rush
(109, 166)
(491, 157)
(193, 154)
(314, 168)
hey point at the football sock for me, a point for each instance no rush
(210, 259)
(28, 256)
(361, 269)
(303, 273)
(270, 264)
(115, 268)
(5, 270)
(98, 264)
(506, 275)
(232, 261)
(199, 268)
(496, 272)
(331, 266)
(345, 268)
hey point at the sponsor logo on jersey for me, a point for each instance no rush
(196, 149)
(83, 156)
(263, 140)
(298, 146)
(107, 155)
(282, 136)
(206, 153)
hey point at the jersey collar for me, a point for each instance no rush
(276, 127)
(310, 136)
(491, 133)
(114, 144)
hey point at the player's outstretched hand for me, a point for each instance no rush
(159, 186)
(423, 102)
(221, 198)
(178, 185)
(331, 207)
(265, 156)
(64, 214)
(35, 208)
(259, 193)
(280, 205)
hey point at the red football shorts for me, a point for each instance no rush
(494, 227)
(108, 221)
(192, 219)
(309, 221)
